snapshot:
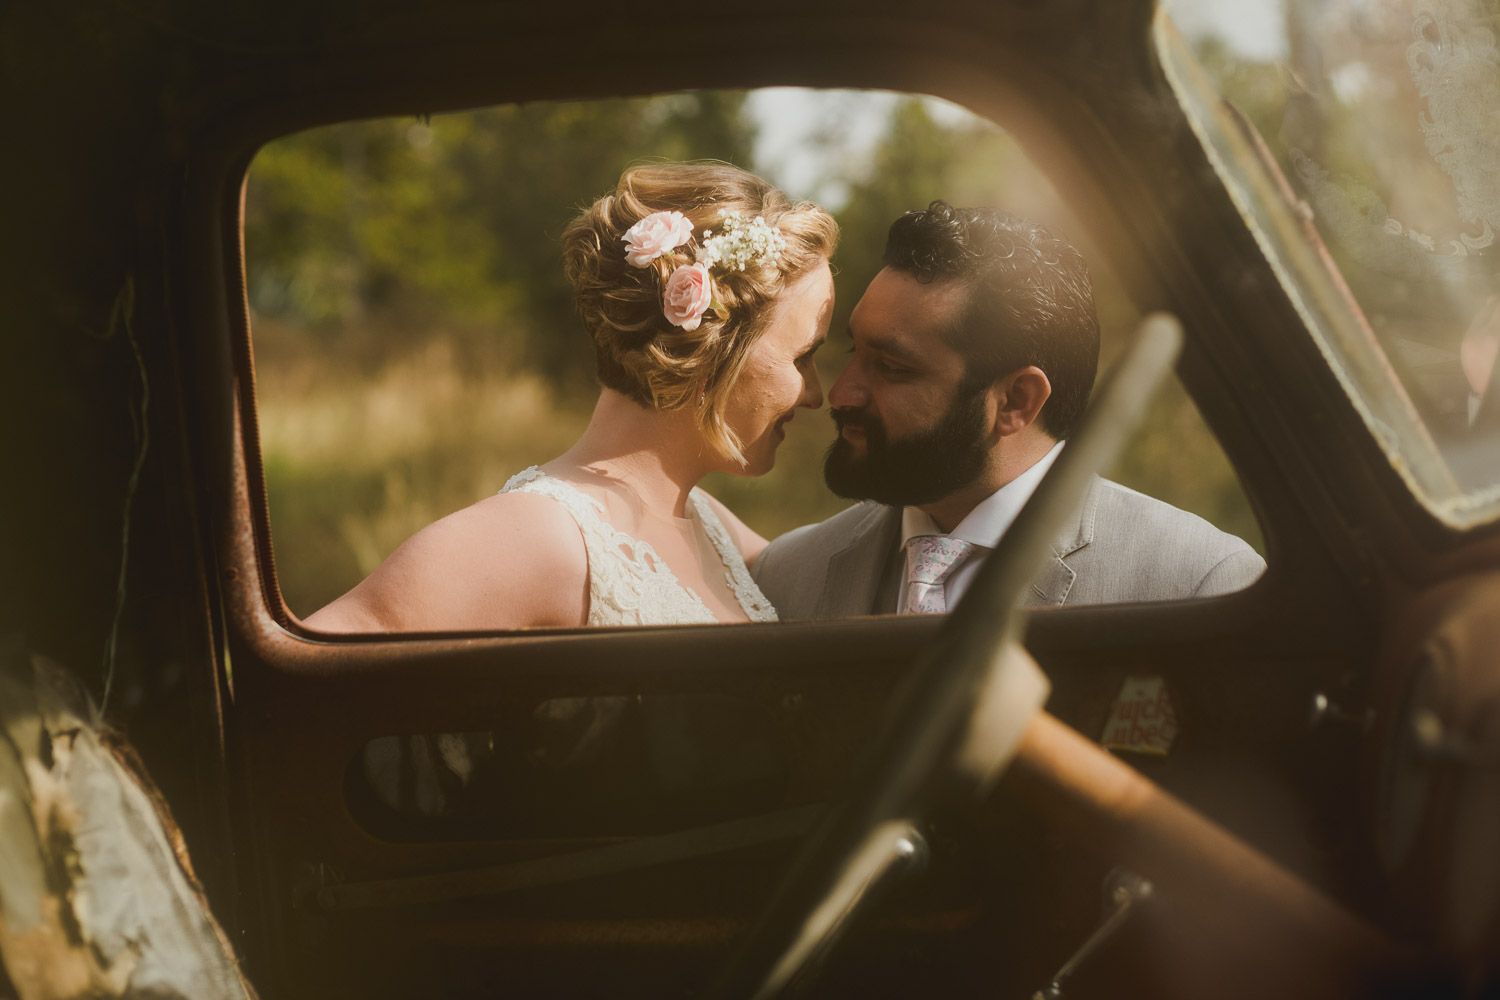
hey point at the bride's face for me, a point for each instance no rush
(779, 376)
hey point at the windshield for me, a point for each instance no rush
(1361, 140)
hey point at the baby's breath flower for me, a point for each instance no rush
(742, 243)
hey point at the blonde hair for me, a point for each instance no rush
(638, 352)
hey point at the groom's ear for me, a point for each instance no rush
(1017, 398)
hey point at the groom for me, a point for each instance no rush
(974, 354)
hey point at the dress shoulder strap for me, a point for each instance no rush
(586, 510)
(629, 584)
(736, 573)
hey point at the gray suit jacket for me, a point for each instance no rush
(1123, 546)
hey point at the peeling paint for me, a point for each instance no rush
(95, 898)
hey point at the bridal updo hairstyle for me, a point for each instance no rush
(640, 353)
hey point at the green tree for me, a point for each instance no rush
(455, 222)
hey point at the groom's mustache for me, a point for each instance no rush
(848, 416)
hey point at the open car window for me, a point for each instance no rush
(1360, 142)
(415, 341)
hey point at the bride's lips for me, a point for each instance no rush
(780, 426)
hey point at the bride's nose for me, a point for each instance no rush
(812, 390)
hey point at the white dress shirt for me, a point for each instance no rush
(983, 527)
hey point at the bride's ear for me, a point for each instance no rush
(1017, 398)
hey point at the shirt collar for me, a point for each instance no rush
(988, 521)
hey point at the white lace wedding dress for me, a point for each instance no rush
(629, 584)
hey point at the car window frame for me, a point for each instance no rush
(255, 611)
(254, 488)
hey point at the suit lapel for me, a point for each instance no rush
(860, 582)
(857, 572)
(1055, 581)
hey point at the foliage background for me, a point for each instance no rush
(415, 343)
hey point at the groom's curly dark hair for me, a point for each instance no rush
(1030, 302)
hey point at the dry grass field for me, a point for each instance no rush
(357, 460)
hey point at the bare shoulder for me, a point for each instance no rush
(514, 560)
(746, 539)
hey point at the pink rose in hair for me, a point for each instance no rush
(656, 234)
(688, 296)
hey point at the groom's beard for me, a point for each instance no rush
(912, 471)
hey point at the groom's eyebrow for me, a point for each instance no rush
(892, 347)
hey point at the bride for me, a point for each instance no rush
(706, 293)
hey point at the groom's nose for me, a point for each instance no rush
(848, 390)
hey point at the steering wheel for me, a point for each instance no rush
(973, 707)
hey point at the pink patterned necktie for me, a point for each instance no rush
(930, 560)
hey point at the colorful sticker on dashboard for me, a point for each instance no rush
(1141, 719)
